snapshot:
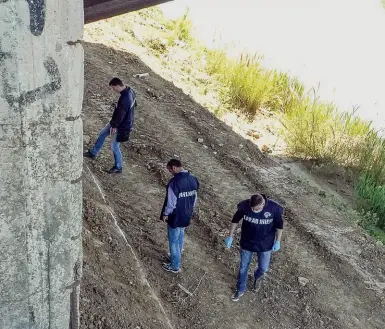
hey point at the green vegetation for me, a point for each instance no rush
(252, 87)
(179, 30)
(372, 198)
(313, 129)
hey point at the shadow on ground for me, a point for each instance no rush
(124, 243)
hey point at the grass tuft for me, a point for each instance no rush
(313, 129)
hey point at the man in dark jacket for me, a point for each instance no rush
(178, 208)
(120, 125)
(261, 233)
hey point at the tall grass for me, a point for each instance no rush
(180, 30)
(373, 196)
(252, 87)
(313, 129)
(317, 130)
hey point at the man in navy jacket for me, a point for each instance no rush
(120, 125)
(261, 233)
(178, 208)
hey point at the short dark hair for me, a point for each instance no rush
(256, 200)
(116, 82)
(174, 163)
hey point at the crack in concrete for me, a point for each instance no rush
(72, 118)
(74, 43)
(77, 180)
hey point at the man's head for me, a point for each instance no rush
(174, 166)
(117, 85)
(257, 202)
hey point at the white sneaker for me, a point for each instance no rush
(237, 295)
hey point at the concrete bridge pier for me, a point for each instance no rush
(41, 91)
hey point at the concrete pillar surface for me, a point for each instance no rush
(41, 91)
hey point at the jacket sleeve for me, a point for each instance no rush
(196, 199)
(238, 215)
(196, 195)
(171, 201)
(278, 219)
(120, 111)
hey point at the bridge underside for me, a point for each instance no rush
(95, 10)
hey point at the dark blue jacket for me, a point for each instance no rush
(123, 116)
(181, 197)
(258, 229)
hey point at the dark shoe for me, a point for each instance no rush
(167, 267)
(114, 170)
(256, 285)
(88, 154)
(237, 296)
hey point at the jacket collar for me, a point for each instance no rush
(124, 90)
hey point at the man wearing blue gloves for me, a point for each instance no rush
(178, 208)
(261, 233)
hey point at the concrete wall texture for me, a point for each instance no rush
(41, 91)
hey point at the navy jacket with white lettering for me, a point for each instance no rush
(123, 116)
(181, 197)
(259, 228)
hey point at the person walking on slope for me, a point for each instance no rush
(261, 233)
(119, 127)
(178, 208)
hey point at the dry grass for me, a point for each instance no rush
(313, 129)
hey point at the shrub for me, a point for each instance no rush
(250, 86)
(180, 30)
(157, 45)
(373, 198)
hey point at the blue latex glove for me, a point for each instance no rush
(277, 245)
(228, 242)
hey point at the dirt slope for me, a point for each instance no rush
(124, 244)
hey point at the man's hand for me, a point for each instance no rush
(165, 218)
(277, 245)
(112, 131)
(228, 242)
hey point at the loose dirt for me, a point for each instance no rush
(124, 285)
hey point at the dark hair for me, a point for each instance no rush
(256, 200)
(116, 82)
(174, 163)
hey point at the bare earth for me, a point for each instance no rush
(124, 285)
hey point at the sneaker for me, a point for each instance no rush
(256, 285)
(88, 154)
(114, 170)
(167, 267)
(237, 296)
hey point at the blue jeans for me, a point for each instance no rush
(263, 266)
(175, 240)
(104, 133)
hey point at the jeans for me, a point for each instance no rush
(263, 266)
(104, 133)
(175, 240)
